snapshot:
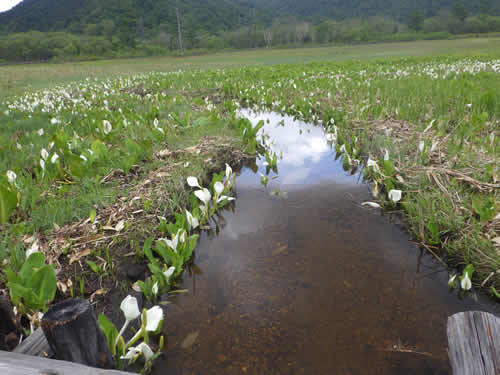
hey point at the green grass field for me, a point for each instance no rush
(94, 156)
(15, 79)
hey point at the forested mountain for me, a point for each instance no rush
(211, 15)
(67, 29)
(341, 9)
(75, 15)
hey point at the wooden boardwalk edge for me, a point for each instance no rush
(474, 343)
(20, 364)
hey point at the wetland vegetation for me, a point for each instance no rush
(106, 179)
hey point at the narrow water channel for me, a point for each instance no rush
(308, 281)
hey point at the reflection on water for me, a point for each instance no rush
(309, 284)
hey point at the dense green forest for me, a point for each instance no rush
(71, 29)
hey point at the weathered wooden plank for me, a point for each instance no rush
(474, 343)
(35, 344)
(20, 364)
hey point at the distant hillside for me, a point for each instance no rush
(43, 30)
(74, 15)
(211, 15)
(342, 9)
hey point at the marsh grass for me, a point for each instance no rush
(376, 103)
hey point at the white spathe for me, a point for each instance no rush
(107, 127)
(395, 195)
(224, 197)
(54, 158)
(229, 171)
(154, 317)
(172, 243)
(219, 188)
(168, 273)
(203, 195)
(192, 221)
(130, 308)
(466, 283)
(193, 182)
(373, 164)
(11, 176)
(35, 248)
(135, 351)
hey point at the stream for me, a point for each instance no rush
(301, 279)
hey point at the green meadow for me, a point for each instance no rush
(94, 156)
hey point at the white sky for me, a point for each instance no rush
(7, 4)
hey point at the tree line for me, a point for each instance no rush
(126, 36)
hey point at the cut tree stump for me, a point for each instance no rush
(20, 364)
(74, 335)
(474, 343)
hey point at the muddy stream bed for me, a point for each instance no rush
(309, 281)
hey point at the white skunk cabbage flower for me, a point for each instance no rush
(40, 132)
(54, 158)
(154, 289)
(35, 248)
(193, 182)
(11, 176)
(131, 312)
(466, 283)
(192, 221)
(203, 195)
(134, 352)
(168, 273)
(219, 188)
(229, 171)
(224, 197)
(44, 153)
(107, 127)
(373, 164)
(395, 195)
(386, 154)
(130, 308)
(421, 146)
(154, 318)
(173, 242)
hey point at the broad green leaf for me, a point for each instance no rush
(8, 203)
(109, 330)
(43, 283)
(35, 261)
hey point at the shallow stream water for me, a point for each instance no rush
(309, 281)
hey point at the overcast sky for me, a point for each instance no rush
(7, 4)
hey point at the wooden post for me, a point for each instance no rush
(74, 335)
(474, 343)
